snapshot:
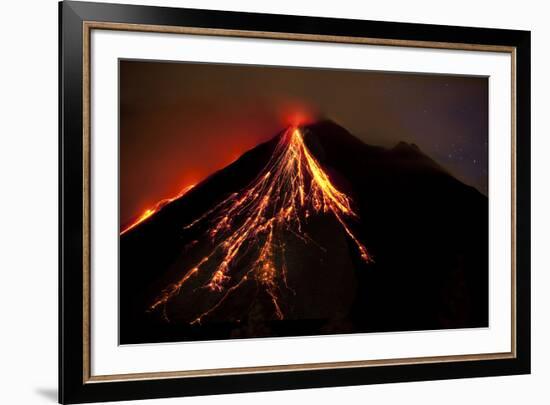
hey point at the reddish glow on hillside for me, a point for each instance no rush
(254, 221)
(156, 208)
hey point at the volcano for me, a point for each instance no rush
(313, 232)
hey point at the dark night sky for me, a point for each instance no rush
(180, 122)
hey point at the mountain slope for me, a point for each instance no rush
(426, 231)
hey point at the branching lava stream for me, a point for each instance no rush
(291, 188)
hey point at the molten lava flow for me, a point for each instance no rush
(156, 208)
(291, 188)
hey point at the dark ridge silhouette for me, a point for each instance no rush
(427, 233)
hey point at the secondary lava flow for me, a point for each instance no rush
(156, 208)
(255, 221)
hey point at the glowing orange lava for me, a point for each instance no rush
(291, 188)
(156, 208)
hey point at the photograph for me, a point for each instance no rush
(260, 201)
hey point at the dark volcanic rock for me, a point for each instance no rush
(427, 233)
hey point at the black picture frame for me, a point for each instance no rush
(75, 387)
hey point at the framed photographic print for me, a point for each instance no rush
(259, 202)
